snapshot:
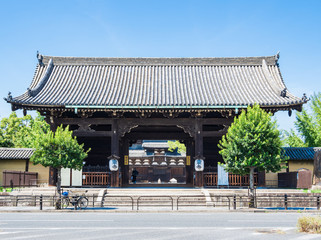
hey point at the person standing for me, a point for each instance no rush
(134, 175)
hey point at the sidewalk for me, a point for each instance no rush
(28, 209)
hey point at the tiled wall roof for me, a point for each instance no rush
(16, 153)
(301, 153)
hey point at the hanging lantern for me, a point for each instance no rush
(113, 163)
(199, 165)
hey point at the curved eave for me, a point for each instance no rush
(28, 106)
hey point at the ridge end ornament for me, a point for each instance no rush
(39, 58)
(8, 98)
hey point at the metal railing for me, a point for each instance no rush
(118, 201)
(191, 201)
(275, 201)
(155, 201)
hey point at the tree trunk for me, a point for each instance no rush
(251, 193)
(58, 203)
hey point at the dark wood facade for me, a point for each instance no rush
(113, 135)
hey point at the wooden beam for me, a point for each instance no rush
(92, 133)
(214, 133)
(174, 121)
(142, 122)
(157, 136)
(90, 121)
(217, 121)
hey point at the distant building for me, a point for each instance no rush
(155, 163)
(16, 169)
(300, 158)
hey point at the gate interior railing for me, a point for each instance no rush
(96, 178)
(211, 179)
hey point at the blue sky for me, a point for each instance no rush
(137, 28)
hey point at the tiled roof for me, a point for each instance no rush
(16, 153)
(301, 153)
(155, 144)
(157, 83)
(137, 153)
(142, 153)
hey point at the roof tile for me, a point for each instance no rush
(161, 82)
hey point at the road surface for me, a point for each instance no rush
(156, 226)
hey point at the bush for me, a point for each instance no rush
(309, 224)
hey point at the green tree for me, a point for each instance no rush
(252, 142)
(11, 128)
(308, 125)
(21, 131)
(291, 139)
(173, 145)
(59, 150)
(4, 141)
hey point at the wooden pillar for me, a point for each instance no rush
(124, 161)
(53, 173)
(115, 152)
(198, 138)
(115, 138)
(198, 180)
(190, 149)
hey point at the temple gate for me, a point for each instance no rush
(110, 103)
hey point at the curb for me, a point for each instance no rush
(160, 211)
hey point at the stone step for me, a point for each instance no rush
(151, 191)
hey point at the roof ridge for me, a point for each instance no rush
(271, 60)
(8, 148)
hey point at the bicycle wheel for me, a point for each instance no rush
(82, 202)
(64, 203)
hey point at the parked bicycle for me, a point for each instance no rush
(81, 201)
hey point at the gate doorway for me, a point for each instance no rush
(155, 162)
(146, 149)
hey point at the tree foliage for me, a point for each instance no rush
(176, 145)
(21, 131)
(291, 139)
(251, 142)
(59, 150)
(56, 149)
(308, 123)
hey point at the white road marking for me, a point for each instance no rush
(43, 235)
(147, 228)
(3, 233)
(62, 220)
(255, 220)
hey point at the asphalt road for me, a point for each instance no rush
(160, 226)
